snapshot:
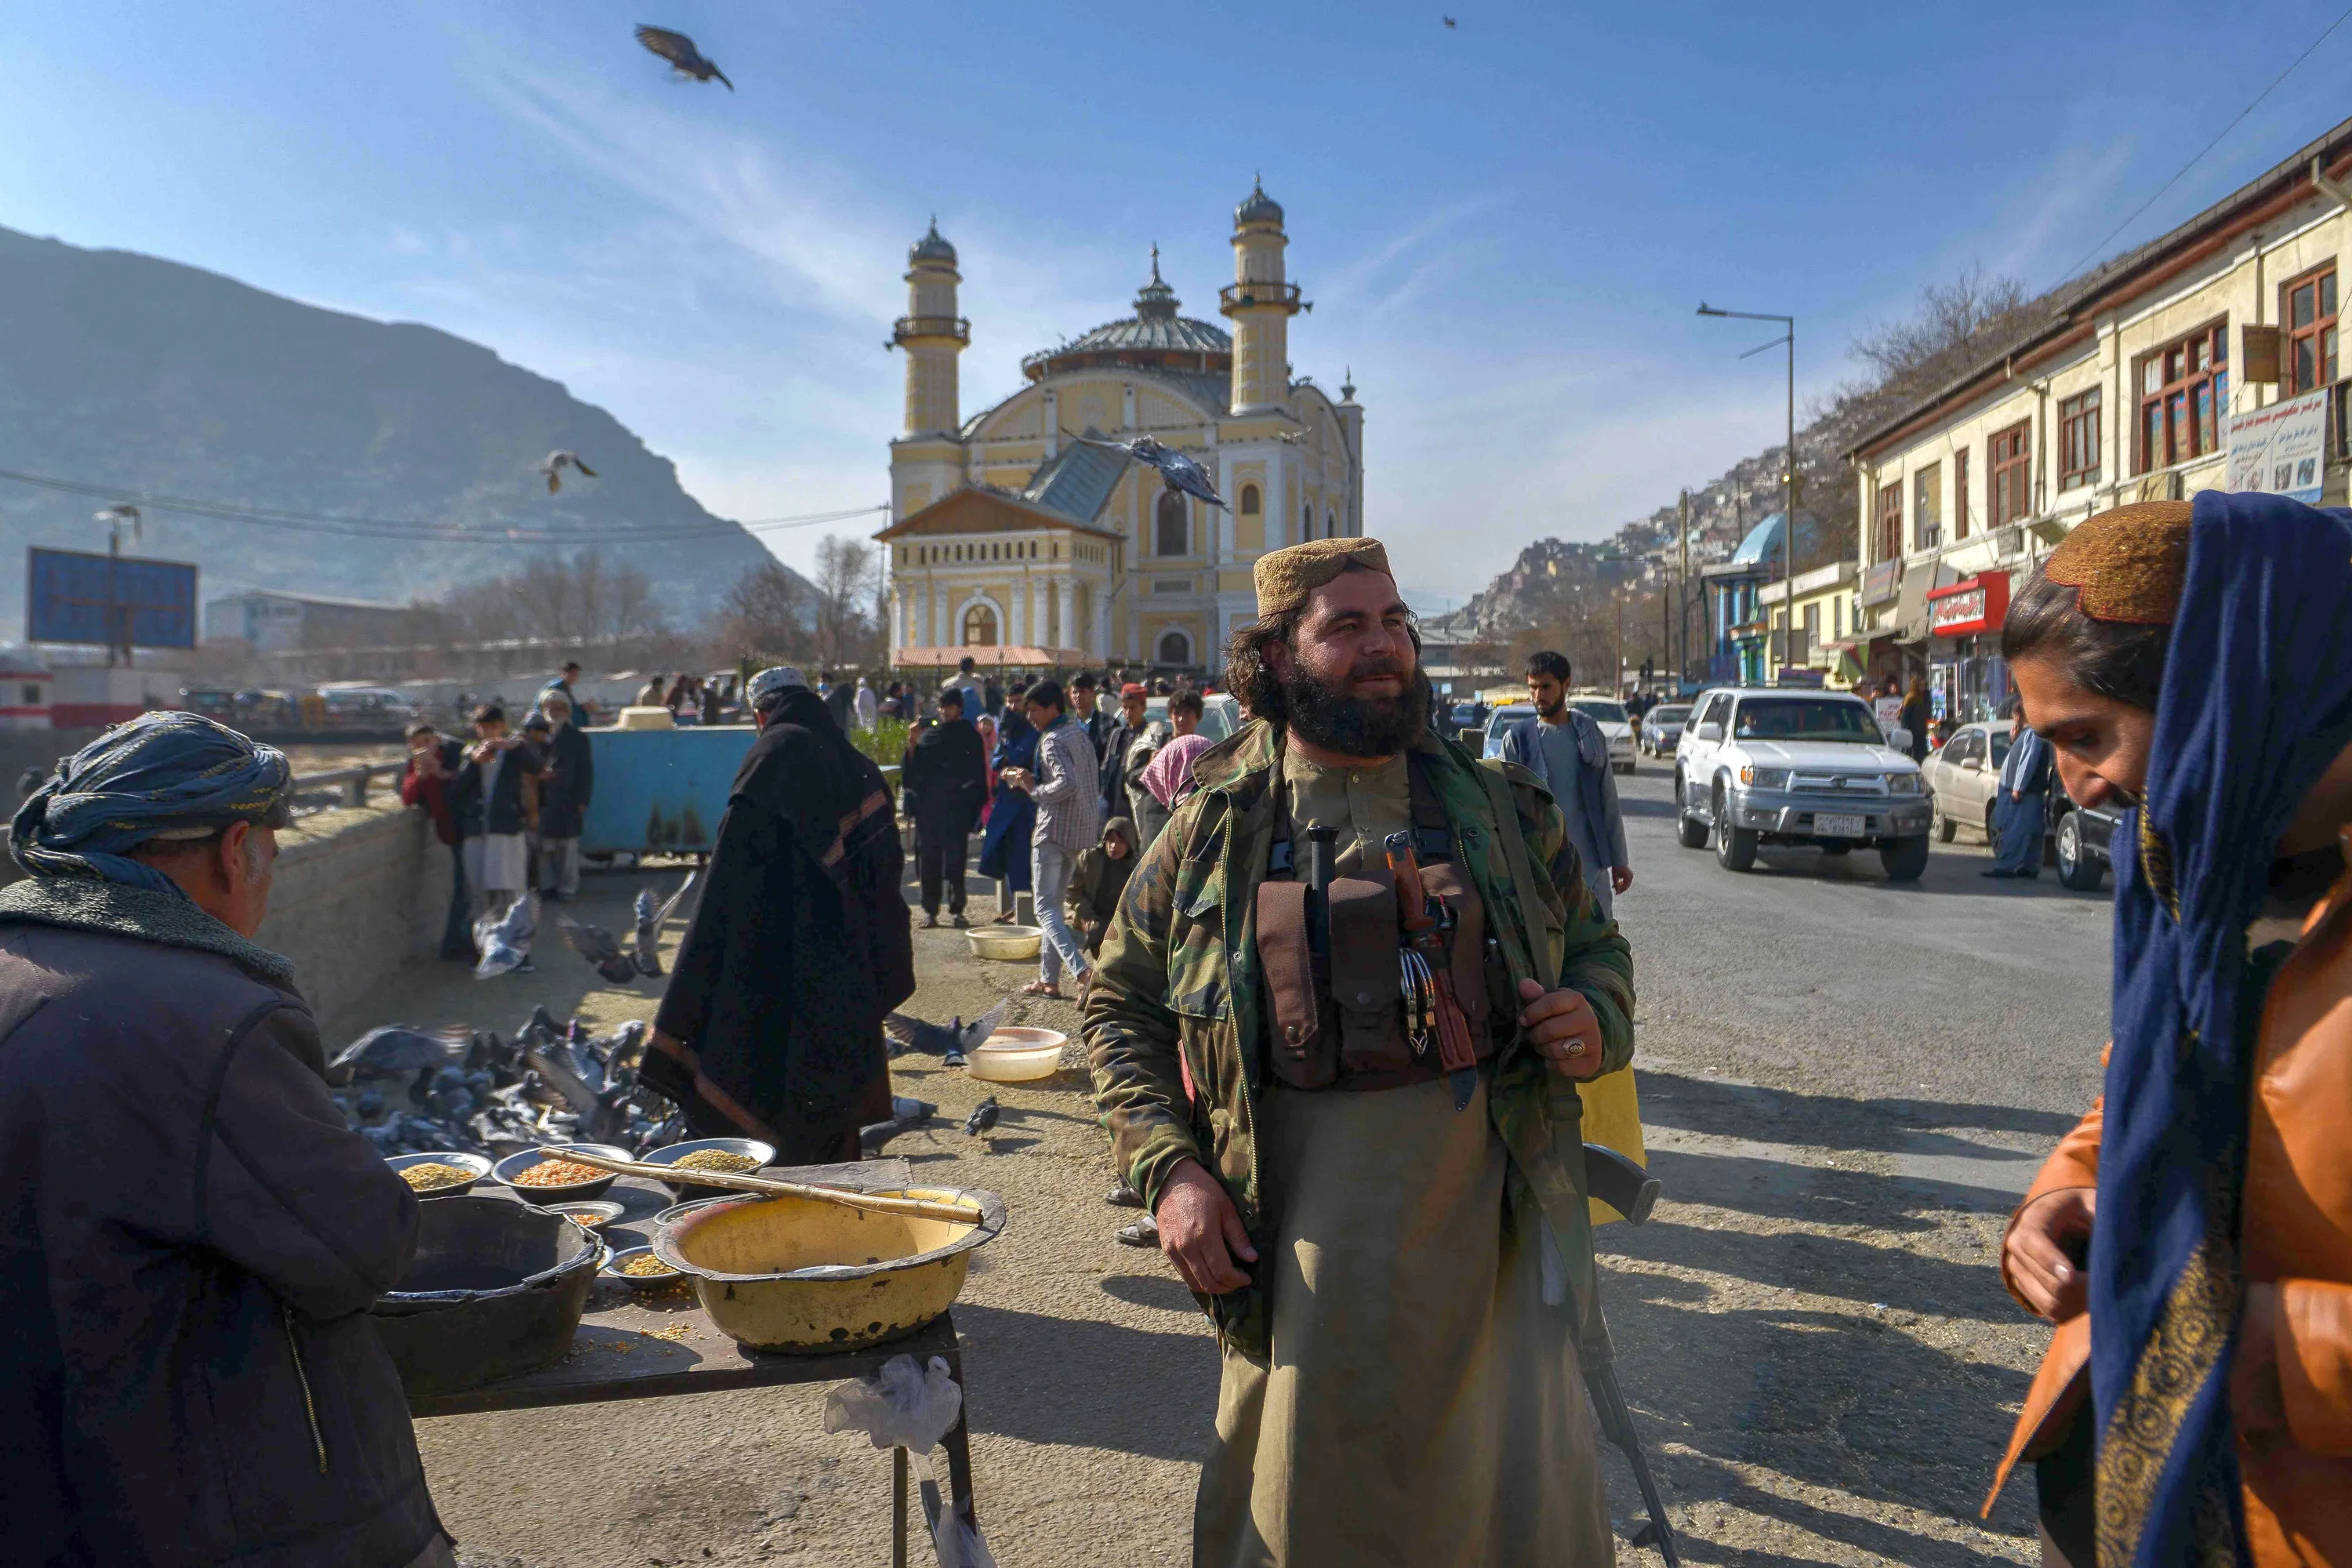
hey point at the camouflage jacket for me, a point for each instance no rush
(1174, 1023)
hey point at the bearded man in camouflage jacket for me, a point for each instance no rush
(1398, 1257)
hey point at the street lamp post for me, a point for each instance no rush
(1788, 474)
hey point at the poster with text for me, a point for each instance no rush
(2280, 449)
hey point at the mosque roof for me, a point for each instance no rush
(1076, 481)
(1259, 207)
(932, 248)
(1763, 541)
(1140, 340)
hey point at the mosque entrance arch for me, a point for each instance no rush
(1175, 647)
(980, 626)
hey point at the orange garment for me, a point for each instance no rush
(2297, 1236)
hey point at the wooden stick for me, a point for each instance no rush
(919, 1208)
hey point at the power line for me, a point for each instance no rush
(435, 532)
(2209, 146)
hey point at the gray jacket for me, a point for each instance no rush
(1596, 824)
(189, 1242)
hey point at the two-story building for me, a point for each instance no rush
(2205, 359)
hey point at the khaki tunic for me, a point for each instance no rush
(1422, 1406)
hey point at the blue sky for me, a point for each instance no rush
(1505, 226)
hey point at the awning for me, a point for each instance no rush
(1911, 606)
(991, 657)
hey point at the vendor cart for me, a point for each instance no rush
(661, 792)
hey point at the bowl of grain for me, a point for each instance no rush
(439, 1175)
(542, 1175)
(730, 1156)
(593, 1216)
(637, 1268)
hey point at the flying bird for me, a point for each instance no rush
(1447, 20)
(679, 51)
(554, 465)
(398, 1049)
(595, 945)
(912, 1034)
(648, 933)
(1179, 472)
(983, 1118)
(504, 942)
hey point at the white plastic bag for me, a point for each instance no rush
(911, 1407)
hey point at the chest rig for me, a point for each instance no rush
(1352, 1003)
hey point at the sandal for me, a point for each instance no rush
(1004, 917)
(1144, 1232)
(1123, 1196)
(1039, 988)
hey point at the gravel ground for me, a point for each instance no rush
(1844, 1083)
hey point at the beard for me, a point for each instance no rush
(1327, 716)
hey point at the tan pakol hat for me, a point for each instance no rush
(1285, 577)
(2129, 564)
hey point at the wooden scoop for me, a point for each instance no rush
(871, 1202)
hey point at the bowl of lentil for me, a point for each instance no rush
(439, 1175)
(558, 1180)
(593, 1216)
(637, 1268)
(735, 1156)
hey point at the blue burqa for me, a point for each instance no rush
(2257, 702)
(1011, 815)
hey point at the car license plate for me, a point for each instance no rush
(1838, 826)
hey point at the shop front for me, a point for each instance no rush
(1968, 681)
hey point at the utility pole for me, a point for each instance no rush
(1788, 467)
(1682, 598)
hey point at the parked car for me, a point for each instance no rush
(2080, 836)
(1964, 774)
(1463, 718)
(1221, 713)
(1662, 727)
(1761, 767)
(1499, 722)
(1616, 727)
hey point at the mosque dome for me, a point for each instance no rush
(1155, 337)
(932, 248)
(1259, 208)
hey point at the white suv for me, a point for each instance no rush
(1759, 766)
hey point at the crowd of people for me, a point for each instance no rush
(1382, 1207)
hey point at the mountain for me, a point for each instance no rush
(124, 371)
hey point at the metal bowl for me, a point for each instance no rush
(679, 1211)
(514, 1165)
(474, 1163)
(802, 1274)
(646, 1283)
(494, 1289)
(684, 1188)
(593, 1216)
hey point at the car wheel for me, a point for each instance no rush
(1905, 859)
(2077, 869)
(1945, 826)
(1992, 826)
(1689, 831)
(1735, 847)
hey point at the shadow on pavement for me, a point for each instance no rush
(1076, 1377)
(1831, 1122)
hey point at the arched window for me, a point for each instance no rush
(1307, 521)
(1175, 647)
(1173, 525)
(1330, 525)
(980, 626)
(1249, 500)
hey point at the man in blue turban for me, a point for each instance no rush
(190, 1237)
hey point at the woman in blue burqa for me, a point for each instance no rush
(2191, 665)
(1004, 848)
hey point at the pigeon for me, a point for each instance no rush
(913, 1034)
(679, 904)
(595, 945)
(649, 927)
(554, 465)
(906, 1115)
(1179, 472)
(983, 1118)
(557, 1074)
(1447, 20)
(504, 942)
(394, 1050)
(679, 51)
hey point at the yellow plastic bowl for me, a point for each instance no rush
(1016, 1055)
(804, 1275)
(1012, 944)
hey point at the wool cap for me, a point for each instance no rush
(1285, 577)
(2129, 565)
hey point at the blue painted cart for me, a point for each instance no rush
(661, 792)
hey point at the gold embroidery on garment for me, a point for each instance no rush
(2187, 1351)
(2156, 865)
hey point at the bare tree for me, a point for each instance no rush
(769, 615)
(1955, 321)
(848, 579)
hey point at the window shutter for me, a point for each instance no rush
(2259, 359)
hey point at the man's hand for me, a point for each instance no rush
(1621, 876)
(1563, 1027)
(2256, 1403)
(1201, 1231)
(2038, 1252)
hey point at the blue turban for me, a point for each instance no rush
(166, 774)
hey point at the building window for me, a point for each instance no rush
(2182, 390)
(2078, 440)
(2310, 333)
(1890, 522)
(1307, 521)
(1837, 619)
(1175, 647)
(1330, 525)
(1960, 513)
(980, 626)
(1249, 500)
(1927, 505)
(1173, 525)
(2008, 474)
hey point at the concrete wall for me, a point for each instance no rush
(357, 894)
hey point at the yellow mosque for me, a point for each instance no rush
(1008, 534)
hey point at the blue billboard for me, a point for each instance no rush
(114, 601)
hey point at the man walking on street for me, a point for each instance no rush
(190, 1237)
(1565, 750)
(1395, 1252)
(944, 785)
(1069, 821)
(2023, 794)
(1124, 731)
(771, 1026)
